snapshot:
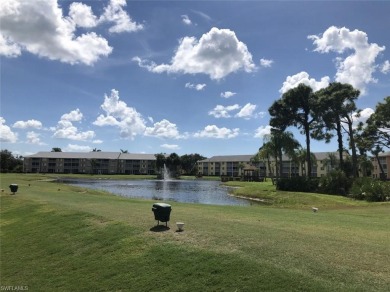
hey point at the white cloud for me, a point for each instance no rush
(356, 69)
(73, 116)
(33, 138)
(66, 130)
(6, 134)
(217, 53)
(385, 67)
(8, 48)
(227, 94)
(28, 124)
(40, 28)
(212, 131)
(197, 87)
(163, 129)
(170, 146)
(82, 15)
(114, 12)
(266, 63)
(77, 148)
(303, 77)
(186, 20)
(118, 114)
(221, 111)
(262, 131)
(247, 111)
(363, 116)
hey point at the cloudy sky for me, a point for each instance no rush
(177, 76)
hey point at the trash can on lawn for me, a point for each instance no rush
(13, 188)
(162, 212)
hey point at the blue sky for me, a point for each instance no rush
(177, 76)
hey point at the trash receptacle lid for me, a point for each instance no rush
(161, 205)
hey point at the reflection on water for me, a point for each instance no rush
(187, 191)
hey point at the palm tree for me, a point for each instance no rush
(300, 157)
(365, 165)
(331, 162)
(279, 143)
(265, 154)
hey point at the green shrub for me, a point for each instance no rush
(369, 189)
(335, 183)
(297, 184)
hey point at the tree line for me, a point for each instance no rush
(322, 115)
(176, 164)
(10, 162)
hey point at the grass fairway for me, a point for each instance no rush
(61, 238)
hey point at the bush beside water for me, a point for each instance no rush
(297, 184)
(337, 183)
(369, 189)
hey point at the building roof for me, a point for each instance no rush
(246, 158)
(93, 155)
(229, 158)
(137, 156)
(325, 155)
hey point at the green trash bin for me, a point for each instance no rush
(162, 212)
(13, 188)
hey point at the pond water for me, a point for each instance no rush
(186, 191)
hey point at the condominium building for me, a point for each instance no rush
(240, 165)
(230, 165)
(90, 163)
(384, 161)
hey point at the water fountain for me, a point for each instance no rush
(166, 175)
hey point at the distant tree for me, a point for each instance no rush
(276, 144)
(381, 120)
(287, 145)
(124, 151)
(173, 163)
(160, 161)
(331, 162)
(300, 157)
(348, 127)
(56, 149)
(265, 153)
(365, 165)
(336, 104)
(96, 150)
(376, 132)
(374, 136)
(297, 107)
(9, 162)
(188, 163)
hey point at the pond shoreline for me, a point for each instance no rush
(185, 191)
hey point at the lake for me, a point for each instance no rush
(185, 191)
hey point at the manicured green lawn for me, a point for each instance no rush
(59, 237)
(267, 193)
